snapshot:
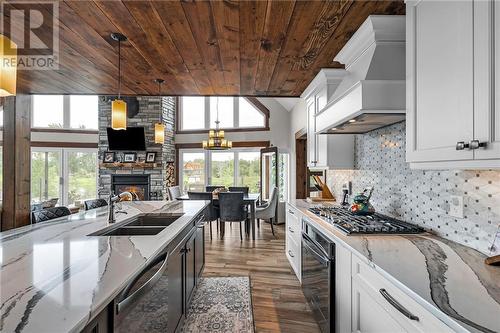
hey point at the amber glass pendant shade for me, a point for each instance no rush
(159, 133)
(118, 115)
(8, 67)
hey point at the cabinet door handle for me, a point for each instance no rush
(291, 212)
(398, 306)
(291, 230)
(291, 254)
(461, 145)
(475, 144)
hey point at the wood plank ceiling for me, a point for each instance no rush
(252, 48)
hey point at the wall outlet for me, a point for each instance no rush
(456, 206)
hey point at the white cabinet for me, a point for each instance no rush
(325, 151)
(293, 238)
(451, 72)
(380, 306)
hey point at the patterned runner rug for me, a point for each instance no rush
(221, 304)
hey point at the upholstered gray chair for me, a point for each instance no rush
(49, 214)
(211, 212)
(243, 189)
(211, 188)
(268, 210)
(95, 203)
(173, 192)
(232, 208)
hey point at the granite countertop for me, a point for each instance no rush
(443, 276)
(55, 278)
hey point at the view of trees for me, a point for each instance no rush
(81, 175)
(221, 170)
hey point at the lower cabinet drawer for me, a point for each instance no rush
(405, 311)
(293, 254)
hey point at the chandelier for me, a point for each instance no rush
(216, 139)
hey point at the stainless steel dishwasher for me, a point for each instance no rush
(318, 276)
(142, 305)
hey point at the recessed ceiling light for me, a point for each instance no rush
(352, 120)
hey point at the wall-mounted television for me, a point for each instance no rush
(132, 139)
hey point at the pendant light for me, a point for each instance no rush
(159, 126)
(8, 67)
(118, 106)
(216, 140)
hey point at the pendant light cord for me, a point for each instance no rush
(217, 107)
(119, 69)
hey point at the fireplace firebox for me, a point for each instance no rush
(135, 184)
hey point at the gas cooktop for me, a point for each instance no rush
(369, 224)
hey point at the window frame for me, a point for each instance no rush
(208, 162)
(66, 118)
(64, 169)
(252, 100)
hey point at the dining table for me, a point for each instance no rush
(249, 199)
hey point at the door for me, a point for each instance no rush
(190, 279)
(367, 314)
(199, 249)
(487, 78)
(175, 288)
(440, 80)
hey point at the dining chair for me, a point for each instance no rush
(268, 210)
(49, 214)
(211, 212)
(232, 209)
(243, 189)
(211, 188)
(173, 192)
(95, 203)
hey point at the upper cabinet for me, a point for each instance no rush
(453, 118)
(325, 151)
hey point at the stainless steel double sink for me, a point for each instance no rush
(140, 226)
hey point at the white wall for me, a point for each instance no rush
(298, 121)
(279, 124)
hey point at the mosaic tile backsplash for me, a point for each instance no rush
(422, 197)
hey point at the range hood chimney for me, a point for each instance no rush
(373, 91)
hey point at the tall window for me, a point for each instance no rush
(68, 111)
(222, 168)
(239, 167)
(249, 170)
(200, 113)
(193, 171)
(67, 174)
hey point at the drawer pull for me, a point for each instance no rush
(291, 230)
(398, 306)
(291, 254)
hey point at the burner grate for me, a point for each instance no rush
(368, 224)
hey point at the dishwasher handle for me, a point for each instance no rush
(319, 254)
(126, 300)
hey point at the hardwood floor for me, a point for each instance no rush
(278, 302)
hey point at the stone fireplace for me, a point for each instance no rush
(138, 185)
(148, 180)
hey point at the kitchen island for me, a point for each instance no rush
(429, 275)
(56, 278)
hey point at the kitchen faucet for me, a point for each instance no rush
(112, 200)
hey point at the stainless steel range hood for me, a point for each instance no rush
(373, 92)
